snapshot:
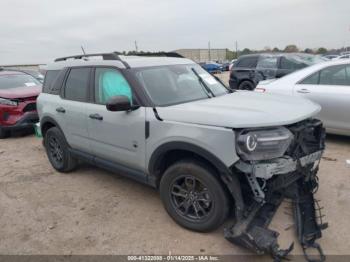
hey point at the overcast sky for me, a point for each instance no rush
(37, 31)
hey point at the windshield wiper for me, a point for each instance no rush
(200, 79)
(230, 90)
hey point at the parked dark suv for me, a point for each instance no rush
(250, 69)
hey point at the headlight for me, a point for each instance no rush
(263, 144)
(8, 102)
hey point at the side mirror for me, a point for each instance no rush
(119, 103)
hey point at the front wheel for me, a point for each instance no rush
(193, 196)
(4, 133)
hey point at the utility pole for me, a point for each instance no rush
(136, 47)
(209, 53)
(236, 45)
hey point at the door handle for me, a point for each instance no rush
(96, 116)
(303, 91)
(61, 110)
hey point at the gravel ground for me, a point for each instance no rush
(92, 211)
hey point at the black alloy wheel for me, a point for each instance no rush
(193, 195)
(191, 198)
(55, 150)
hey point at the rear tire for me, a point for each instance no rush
(4, 133)
(193, 196)
(57, 151)
(246, 85)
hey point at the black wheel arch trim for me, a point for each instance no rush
(48, 119)
(160, 152)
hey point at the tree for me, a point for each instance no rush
(321, 50)
(246, 51)
(275, 49)
(308, 51)
(291, 49)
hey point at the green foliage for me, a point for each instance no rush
(291, 49)
(246, 51)
(322, 50)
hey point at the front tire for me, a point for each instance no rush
(193, 196)
(57, 151)
(4, 133)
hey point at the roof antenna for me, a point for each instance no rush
(82, 48)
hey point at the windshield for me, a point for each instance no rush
(176, 84)
(35, 74)
(13, 81)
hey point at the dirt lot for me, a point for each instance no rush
(91, 211)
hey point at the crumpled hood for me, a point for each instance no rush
(20, 92)
(242, 109)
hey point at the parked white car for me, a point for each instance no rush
(346, 56)
(327, 84)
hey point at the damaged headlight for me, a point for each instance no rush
(263, 144)
(8, 102)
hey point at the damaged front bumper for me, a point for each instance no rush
(268, 183)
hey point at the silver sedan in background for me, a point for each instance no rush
(327, 84)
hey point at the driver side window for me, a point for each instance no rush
(108, 83)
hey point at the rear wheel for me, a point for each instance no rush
(58, 151)
(193, 196)
(4, 133)
(246, 85)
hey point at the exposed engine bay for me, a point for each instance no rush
(268, 183)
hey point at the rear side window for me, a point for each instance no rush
(77, 84)
(267, 62)
(50, 77)
(247, 62)
(334, 75)
(311, 80)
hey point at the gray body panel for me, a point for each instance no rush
(242, 109)
(119, 137)
(73, 122)
(218, 141)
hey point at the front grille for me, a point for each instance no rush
(309, 137)
(30, 107)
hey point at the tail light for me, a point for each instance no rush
(260, 90)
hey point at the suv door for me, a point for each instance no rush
(330, 88)
(266, 67)
(287, 65)
(71, 109)
(118, 137)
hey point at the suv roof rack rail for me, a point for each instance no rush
(105, 56)
(159, 54)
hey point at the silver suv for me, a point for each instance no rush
(212, 153)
